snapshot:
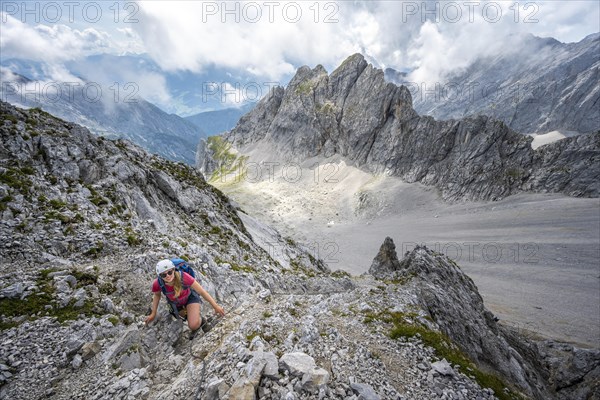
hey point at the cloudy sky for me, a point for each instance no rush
(269, 40)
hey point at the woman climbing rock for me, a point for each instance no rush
(182, 292)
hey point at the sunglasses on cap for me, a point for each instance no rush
(167, 273)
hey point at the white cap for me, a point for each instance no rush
(164, 265)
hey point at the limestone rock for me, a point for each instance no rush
(386, 262)
(443, 368)
(303, 366)
(364, 392)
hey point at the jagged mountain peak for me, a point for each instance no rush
(355, 61)
(356, 114)
(451, 298)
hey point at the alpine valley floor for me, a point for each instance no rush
(534, 257)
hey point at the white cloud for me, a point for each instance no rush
(184, 36)
(50, 43)
(125, 81)
(195, 35)
(567, 21)
(55, 45)
(191, 35)
(460, 34)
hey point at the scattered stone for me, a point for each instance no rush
(13, 291)
(364, 392)
(77, 361)
(443, 368)
(89, 350)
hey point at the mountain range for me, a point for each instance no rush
(219, 121)
(105, 94)
(91, 105)
(354, 113)
(507, 86)
(184, 93)
(539, 86)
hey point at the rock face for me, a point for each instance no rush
(355, 113)
(453, 302)
(539, 86)
(67, 193)
(571, 156)
(386, 262)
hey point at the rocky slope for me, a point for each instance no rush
(83, 221)
(453, 302)
(541, 85)
(355, 113)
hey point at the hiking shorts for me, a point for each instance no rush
(193, 298)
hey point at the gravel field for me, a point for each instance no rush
(534, 257)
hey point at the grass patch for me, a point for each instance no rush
(84, 278)
(228, 162)
(57, 216)
(340, 274)
(132, 238)
(16, 178)
(215, 230)
(98, 200)
(11, 118)
(96, 250)
(235, 266)
(34, 306)
(400, 280)
(293, 312)
(107, 288)
(242, 268)
(7, 325)
(299, 269)
(181, 172)
(251, 336)
(304, 88)
(515, 174)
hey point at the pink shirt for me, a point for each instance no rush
(188, 280)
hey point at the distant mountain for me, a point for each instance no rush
(216, 122)
(353, 112)
(191, 92)
(134, 119)
(540, 86)
(161, 97)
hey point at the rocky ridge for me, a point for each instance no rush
(450, 296)
(71, 318)
(355, 113)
